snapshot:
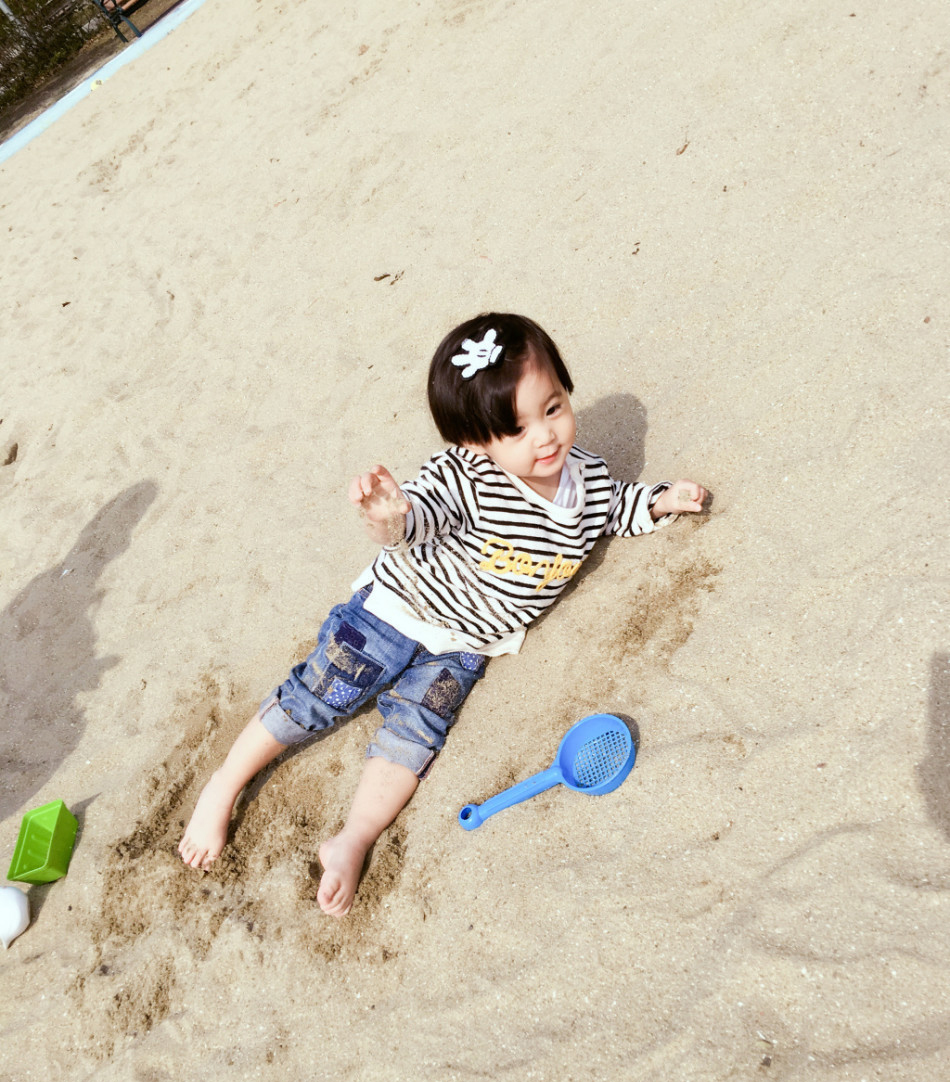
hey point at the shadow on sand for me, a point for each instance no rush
(933, 774)
(48, 657)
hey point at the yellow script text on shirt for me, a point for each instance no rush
(503, 559)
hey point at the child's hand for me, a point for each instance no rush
(381, 504)
(679, 497)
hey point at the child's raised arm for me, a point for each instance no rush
(679, 497)
(382, 505)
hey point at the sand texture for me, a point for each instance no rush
(224, 274)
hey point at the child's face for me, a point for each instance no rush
(546, 432)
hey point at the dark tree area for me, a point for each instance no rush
(39, 38)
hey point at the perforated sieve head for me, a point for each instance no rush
(594, 757)
(600, 758)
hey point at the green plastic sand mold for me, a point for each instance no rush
(44, 845)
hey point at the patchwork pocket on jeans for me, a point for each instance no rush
(348, 633)
(444, 696)
(338, 693)
(339, 674)
(472, 662)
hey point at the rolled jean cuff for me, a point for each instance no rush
(280, 726)
(396, 749)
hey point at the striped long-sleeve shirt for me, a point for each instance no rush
(485, 555)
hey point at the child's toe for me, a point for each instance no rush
(339, 907)
(195, 858)
(331, 896)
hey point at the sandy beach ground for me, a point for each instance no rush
(223, 275)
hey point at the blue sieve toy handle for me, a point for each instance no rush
(473, 815)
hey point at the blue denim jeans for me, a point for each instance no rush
(358, 656)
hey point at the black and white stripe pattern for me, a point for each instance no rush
(486, 555)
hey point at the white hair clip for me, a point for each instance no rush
(477, 355)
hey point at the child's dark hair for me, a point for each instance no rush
(480, 408)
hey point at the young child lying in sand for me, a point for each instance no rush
(475, 549)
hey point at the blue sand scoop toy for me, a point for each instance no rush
(594, 757)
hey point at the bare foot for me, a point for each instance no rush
(342, 858)
(207, 830)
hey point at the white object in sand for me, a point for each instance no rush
(14, 914)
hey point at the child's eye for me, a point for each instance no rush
(554, 410)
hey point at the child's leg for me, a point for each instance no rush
(384, 790)
(332, 683)
(417, 713)
(207, 831)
